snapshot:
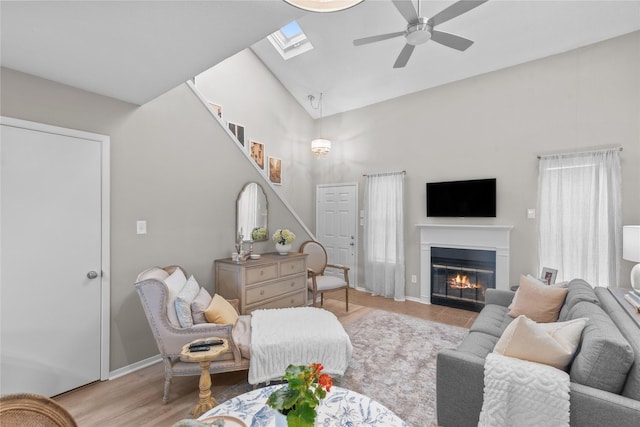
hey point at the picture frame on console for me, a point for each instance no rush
(548, 275)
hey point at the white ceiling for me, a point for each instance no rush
(137, 50)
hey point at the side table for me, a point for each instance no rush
(205, 358)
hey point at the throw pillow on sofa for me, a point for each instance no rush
(551, 344)
(538, 302)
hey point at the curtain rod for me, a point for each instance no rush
(578, 152)
(383, 173)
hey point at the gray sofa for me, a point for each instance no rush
(605, 372)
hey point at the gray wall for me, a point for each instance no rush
(492, 125)
(495, 125)
(173, 165)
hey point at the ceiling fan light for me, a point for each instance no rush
(323, 5)
(320, 147)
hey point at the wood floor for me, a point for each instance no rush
(136, 399)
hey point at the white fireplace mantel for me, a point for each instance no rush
(479, 237)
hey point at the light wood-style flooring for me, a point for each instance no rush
(136, 399)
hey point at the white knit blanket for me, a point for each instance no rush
(522, 393)
(298, 336)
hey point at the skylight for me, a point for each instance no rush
(290, 40)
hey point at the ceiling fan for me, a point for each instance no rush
(420, 29)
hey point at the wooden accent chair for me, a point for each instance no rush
(317, 281)
(153, 293)
(27, 409)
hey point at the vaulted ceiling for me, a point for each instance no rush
(136, 50)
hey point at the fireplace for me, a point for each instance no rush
(460, 277)
(493, 238)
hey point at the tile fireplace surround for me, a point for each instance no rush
(479, 237)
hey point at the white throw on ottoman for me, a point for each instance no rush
(297, 336)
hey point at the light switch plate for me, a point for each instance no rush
(141, 227)
(531, 213)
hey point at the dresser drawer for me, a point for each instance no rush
(298, 299)
(270, 290)
(294, 266)
(261, 273)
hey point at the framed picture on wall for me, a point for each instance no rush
(217, 108)
(275, 170)
(238, 131)
(257, 153)
(548, 275)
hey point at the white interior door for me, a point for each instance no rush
(336, 224)
(52, 332)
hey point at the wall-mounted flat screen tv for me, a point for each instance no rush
(471, 198)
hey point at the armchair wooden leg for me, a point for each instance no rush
(347, 297)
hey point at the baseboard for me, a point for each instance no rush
(414, 299)
(134, 367)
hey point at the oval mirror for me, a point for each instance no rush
(251, 213)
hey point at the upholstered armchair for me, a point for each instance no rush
(317, 281)
(154, 294)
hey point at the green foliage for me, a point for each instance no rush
(306, 385)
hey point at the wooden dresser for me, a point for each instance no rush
(273, 281)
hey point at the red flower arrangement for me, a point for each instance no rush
(298, 400)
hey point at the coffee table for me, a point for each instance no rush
(341, 407)
(205, 358)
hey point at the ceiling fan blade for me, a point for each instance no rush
(404, 56)
(406, 9)
(379, 37)
(454, 10)
(451, 40)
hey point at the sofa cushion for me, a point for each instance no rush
(241, 334)
(183, 302)
(551, 344)
(579, 290)
(199, 305)
(492, 320)
(220, 311)
(478, 344)
(604, 357)
(174, 283)
(630, 330)
(538, 302)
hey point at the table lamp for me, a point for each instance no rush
(631, 252)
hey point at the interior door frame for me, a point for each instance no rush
(354, 274)
(105, 279)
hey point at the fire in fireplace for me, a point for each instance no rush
(460, 277)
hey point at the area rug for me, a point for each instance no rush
(394, 362)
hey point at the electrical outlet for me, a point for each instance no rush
(414, 278)
(141, 227)
(531, 214)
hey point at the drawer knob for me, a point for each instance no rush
(262, 272)
(293, 284)
(262, 292)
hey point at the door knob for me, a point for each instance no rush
(92, 275)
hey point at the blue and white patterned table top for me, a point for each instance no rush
(341, 407)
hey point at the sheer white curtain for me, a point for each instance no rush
(579, 211)
(384, 235)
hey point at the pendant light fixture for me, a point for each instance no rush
(321, 146)
(323, 5)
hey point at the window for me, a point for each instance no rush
(290, 40)
(579, 206)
